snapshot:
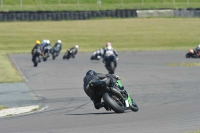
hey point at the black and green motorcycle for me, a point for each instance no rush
(115, 97)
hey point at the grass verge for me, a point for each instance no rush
(195, 132)
(3, 107)
(92, 5)
(193, 64)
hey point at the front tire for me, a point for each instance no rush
(112, 104)
(134, 107)
(188, 55)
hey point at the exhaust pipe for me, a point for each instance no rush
(117, 92)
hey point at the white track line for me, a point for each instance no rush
(18, 69)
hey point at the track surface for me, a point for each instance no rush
(168, 97)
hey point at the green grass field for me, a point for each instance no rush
(133, 34)
(92, 4)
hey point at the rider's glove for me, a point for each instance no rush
(116, 77)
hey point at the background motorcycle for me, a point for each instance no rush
(47, 50)
(193, 54)
(116, 99)
(97, 55)
(36, 57)
(111, 63)
(55, 52)
(68, 55)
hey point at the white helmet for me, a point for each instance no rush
(48, 41)
(76, 46)
(198, 47)
(44, 40)
(59, 41)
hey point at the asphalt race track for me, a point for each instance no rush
(168, 96)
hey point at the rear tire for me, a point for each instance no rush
(112, 68)
(35, 61)
(54, 56)
(112, 104)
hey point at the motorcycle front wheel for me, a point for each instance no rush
(134, 107)
(113, 103)
(188, 55)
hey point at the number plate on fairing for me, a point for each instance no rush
(127, 104)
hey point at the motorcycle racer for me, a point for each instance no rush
(37, 46)
(94, 80)
(109, 50)
(58, 44)
(74, 50)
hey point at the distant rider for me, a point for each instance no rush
(108, 49)
(74, 50)
(46, 45)
(42, 44)
(37, 46)
(59, 45)
(91, 82)
(197, 51)
(98, 54)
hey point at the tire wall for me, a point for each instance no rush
(64, 15)
(83, 15)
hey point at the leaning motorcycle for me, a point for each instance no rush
(192, 54)
(36, 57)
(97, 55)
(116, 99)
(47, 50)
(55, 52)
(68, 54)
(110, 62)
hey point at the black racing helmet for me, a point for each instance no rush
(91, 73)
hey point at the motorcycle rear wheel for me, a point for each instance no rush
(54, 56)
(45, 57)
(35, 61)
(111, 103)
(112, 68)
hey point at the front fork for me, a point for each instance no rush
(128, 102)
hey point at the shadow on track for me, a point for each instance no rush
(106, 113)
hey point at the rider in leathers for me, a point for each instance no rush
(91, 81)
(58, 44)
(74, 50)
(109, 48)
(196, 52)
(37, 46)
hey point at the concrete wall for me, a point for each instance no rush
(155, 13)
